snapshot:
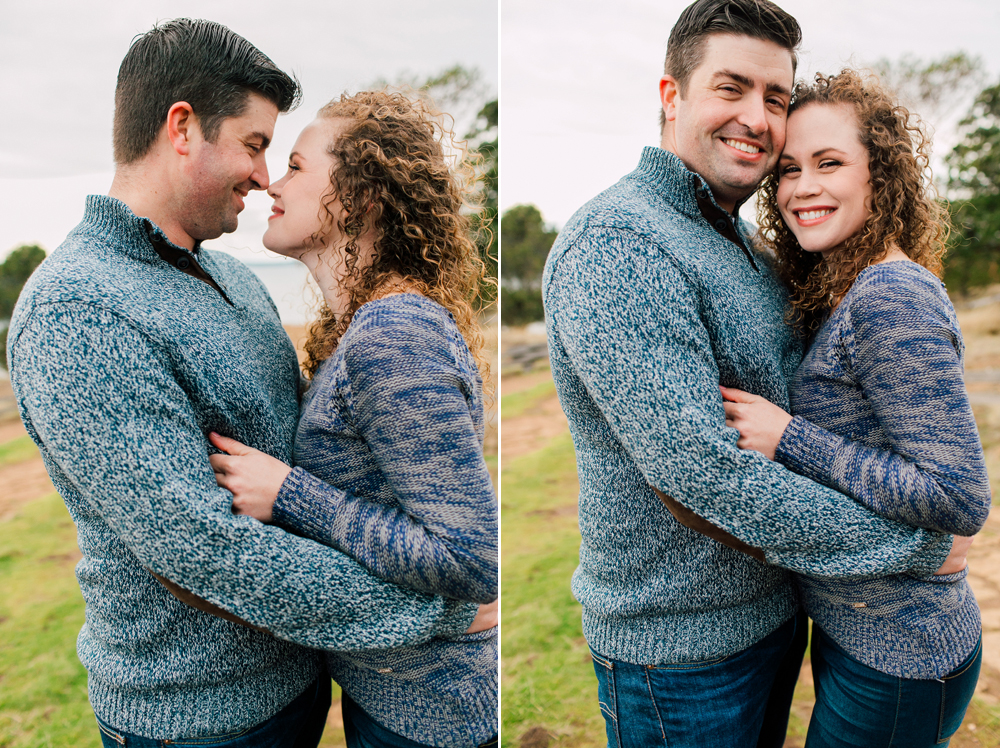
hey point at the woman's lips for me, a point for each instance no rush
(813, 216)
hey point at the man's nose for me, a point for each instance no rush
(753, 115)
(259, 177)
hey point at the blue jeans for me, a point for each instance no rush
(361, 731)
(298, 725)
(858, 707)
(738, 701)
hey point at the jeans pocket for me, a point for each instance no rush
(222, 740)
(956, 693)
(108, 733)
(607, 697)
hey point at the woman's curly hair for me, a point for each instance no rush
(391, 175)
(905, 209)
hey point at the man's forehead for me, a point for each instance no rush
(749, 60)
(257, 119)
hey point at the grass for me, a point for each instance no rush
(43, 686)
(518, 403)
(548, 681)
(17, 450)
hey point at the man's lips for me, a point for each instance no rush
(240, 194)
(813, 215)
(745, 148)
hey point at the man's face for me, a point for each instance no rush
(729, 126)
(220, 174)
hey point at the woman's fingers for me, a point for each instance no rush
(218, 463)
(734, 395)
(230, 446)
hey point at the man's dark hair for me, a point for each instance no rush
(200, 62)
(760, 19)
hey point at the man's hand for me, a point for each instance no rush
(486, 618)
(760, 422)
(251, 476)
(956, 560)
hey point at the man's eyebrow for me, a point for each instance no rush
(746, 82)
(264, 140)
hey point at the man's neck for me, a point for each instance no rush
(147, 193)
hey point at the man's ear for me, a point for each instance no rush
(181, 126)
(669, 93)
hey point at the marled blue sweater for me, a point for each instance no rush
(389, 468)
(121, 365)
(881, 414)
(649, 309)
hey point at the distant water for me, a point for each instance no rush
(292, 288)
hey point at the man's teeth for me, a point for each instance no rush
(808, 215)
(739, 145)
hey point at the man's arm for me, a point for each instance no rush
(628, 320)
(102, 400)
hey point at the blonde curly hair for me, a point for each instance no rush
(391, 175)
(905, 209)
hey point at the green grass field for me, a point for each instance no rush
(43, 686)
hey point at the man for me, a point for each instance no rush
(128, 347)
(654, 297)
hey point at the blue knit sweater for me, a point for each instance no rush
(882, 415)
(649, 309)
(389, 468)
(121, 365)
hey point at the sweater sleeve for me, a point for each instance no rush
(904, 355)
(115, 423)
(628, 321)
(409, 405)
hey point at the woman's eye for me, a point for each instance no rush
(828, 163)
(785, 170)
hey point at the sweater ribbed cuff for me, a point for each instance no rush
(808, 450)
(305, 506)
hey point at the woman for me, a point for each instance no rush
(389, 463)
(880, 408)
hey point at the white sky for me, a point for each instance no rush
(60, 61)
(579, 92)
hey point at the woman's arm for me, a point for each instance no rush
(409, 407)
(903, 354)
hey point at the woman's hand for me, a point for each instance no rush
(956, 561)
(486, 618)
(760, 422)
(251, 476)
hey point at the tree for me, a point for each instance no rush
(974, 183)
(14, 272)
(526, 243)
(488, 150)
(460, 92)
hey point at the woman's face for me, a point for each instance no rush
(297, 213)
(824, 193)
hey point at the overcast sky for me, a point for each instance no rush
(579, 89)
(60, 60)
